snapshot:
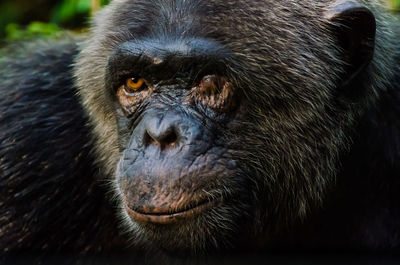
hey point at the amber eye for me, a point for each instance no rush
(134, 84)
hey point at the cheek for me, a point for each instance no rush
(124, 132)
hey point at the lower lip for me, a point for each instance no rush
(170, 218)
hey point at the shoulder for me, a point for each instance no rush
(46, 167)
(40, 115)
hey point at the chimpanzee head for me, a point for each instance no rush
(221, 121)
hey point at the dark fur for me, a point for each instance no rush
(322, 167)
(46, 154)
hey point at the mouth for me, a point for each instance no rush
(170, 217)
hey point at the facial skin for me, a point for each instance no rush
(216, 120)
(177, 169)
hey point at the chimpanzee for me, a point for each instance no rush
(202, 126)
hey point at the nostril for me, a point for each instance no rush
(170, 140)
(148, 140)
(167, 140)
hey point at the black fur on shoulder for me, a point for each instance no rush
(50, 198)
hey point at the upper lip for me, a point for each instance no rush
(169, 217)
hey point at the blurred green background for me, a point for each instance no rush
(21, 19)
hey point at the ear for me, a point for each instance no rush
(355, 27)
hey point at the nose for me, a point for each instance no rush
(163, 132)
(166, 130)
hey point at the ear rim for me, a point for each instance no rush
(348, 20)
(344, 9)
